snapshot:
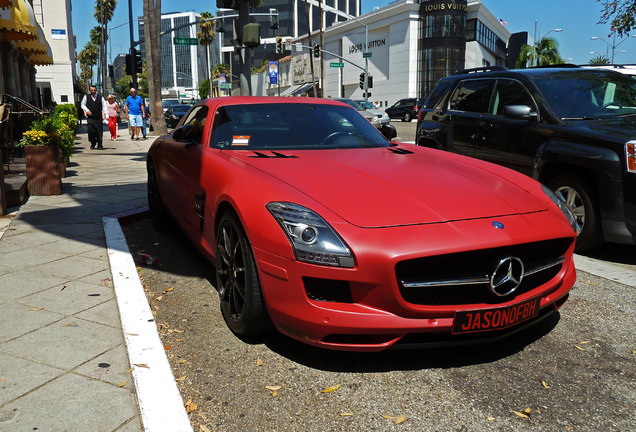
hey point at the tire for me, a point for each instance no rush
(158, 213)
(407, 117)
(580, 196)
(240, 296)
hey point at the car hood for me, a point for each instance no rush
(621, 128)
(379, 187)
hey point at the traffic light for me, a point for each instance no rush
(111, 71)
(370, 82)
(129, 65)
(279, 44)
(317, 51)
(273, 19)
(362, 77)
(138, 62)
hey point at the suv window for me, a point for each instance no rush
(471, 95)
(509, 92)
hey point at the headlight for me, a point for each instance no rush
(564, 208)
(311, 237)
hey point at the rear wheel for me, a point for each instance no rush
(580, 196)
(242, 305)
(158, 214)
(407, 117)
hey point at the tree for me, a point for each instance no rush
(206, 35)
(219, 69)
(545, 53)
(204, 89)
(152, 40)
(104, 10)
(620, 14)
(87, 59)
(599, 60)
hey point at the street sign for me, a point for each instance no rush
(225, 86)
(366, 55)
(336, 64)
(185, 41)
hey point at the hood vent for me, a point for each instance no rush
(276, 155)
(399, 150)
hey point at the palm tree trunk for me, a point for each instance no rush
(152, 24)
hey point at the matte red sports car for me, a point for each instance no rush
(342, 239)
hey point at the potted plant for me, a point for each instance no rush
(42, 160)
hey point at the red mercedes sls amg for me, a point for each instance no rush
(318, 224)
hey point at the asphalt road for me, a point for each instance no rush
(575, 372)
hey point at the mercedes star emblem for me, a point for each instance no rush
(507, 276)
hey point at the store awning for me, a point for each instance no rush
(44, 59)
(5, 3)
(35, 46)
(16, 22)
(302, 89)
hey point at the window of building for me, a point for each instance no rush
(478, 31)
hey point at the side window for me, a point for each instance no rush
(438, 93)
(196, 118)
(471, 96)
(509, 92)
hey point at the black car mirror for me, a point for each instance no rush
(519, 112)
(183, 133)
(389, 131)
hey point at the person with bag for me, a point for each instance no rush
(113, 113)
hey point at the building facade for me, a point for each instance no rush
(411, 45)
(183, 66)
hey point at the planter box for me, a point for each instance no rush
(43, 170)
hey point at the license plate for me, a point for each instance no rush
(495, 319)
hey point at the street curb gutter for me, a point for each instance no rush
(159, 400)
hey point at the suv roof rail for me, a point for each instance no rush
(481, 69)
(558, 65)
(615, 66)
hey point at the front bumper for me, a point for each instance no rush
(375, 315)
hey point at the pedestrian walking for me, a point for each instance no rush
(95, 110)
(145, 121)
(113, 114)
(135, 111)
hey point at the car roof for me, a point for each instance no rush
(532, 73)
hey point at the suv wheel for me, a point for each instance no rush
(407, 117)
(580, 197)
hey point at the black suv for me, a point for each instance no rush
(573, 129)
(405, 109)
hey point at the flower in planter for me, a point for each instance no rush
(35, 137)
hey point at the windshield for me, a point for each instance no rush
(588, 94)
(365, 104)
(294, 126)
(180, 109)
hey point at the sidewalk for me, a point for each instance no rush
(63, 359)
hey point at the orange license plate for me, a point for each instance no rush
(495, 319)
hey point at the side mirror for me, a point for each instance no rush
(389, 131)
(183, 133)
(519, 112)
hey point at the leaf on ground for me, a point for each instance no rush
(544, 384)
(181, 378)
(36, 309)
(490, 418)
(259, 362)
(346, 414)
(525, 413)
(123, 383)
(62, 289)
(331, 389)
(141, 365)
(159, 298)
(579, 348)
(584, 342)
(169, 290)
(274, 393)
(191, 407)
(400, 419)
(388, 417)
(203, 428)
(273, 388)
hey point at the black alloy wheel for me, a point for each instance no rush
(407, 117)
(242, 305)
(158, 214)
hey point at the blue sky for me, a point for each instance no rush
(577, 18)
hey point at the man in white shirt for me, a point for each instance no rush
(96, 111)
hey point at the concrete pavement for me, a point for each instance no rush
(64, 363)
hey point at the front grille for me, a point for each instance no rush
(541, 261)
(328, 290)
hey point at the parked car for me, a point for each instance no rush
(405, 109)
(374, 117)
(573, 129)
(169, 102)
(318, 225)
(368, 106)
(174, 113)
(624, 69)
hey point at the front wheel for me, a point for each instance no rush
(580, 196)
(242, 305)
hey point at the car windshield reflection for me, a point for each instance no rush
(292, 126)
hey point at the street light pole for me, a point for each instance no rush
(537, 34)
(613, 44)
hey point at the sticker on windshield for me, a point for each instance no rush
(240, 140)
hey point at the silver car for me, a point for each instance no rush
(384, 117)
(375, 118)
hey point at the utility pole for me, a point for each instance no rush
(245, 73)
(133, 72)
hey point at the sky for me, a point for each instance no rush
(578, 20)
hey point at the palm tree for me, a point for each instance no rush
(88, 58)
(599, 60)
(206, 37)
(104, 10)
(545, 53)
(152, 39)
